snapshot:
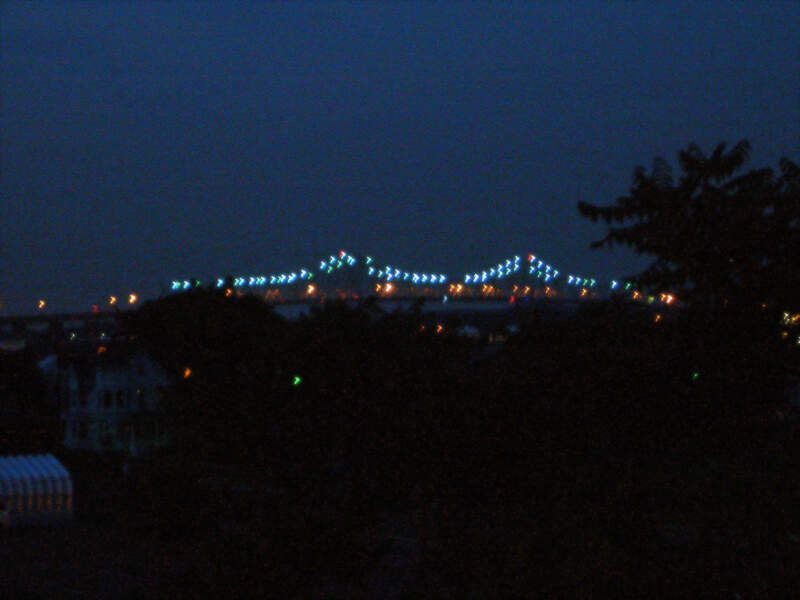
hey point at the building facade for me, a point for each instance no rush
(110, 402)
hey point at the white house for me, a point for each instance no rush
(110, 401)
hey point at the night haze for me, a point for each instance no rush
(146, 142)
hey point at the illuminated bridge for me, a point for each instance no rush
(343, 275)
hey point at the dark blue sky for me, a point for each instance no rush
(143, 142)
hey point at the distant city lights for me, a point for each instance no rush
(495, 280)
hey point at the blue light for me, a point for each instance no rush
(220, 283)
(370, 271)
(369, 260)
(613, 285)
(466, 278)
(406, 276)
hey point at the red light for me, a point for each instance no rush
(512, 300)
(341, 253)
(530, 257)
(95, 308)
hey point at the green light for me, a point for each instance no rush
(695, 376)
(297, 380)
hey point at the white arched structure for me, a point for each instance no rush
(34, 489)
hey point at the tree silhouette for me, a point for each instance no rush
(717, 238)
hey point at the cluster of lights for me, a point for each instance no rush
(335, 263)
(390, 276)
(276, 279)
(495, 272)
(182, 285)
(389, 273)
(541, 269)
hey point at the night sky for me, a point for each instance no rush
(146, 142)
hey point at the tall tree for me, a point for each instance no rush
(717, 237)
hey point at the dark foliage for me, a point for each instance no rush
(562, 464)
(717, 237)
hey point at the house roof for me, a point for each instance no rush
(33, 474)
(115, 355)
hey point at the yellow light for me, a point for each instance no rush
(187, 372)
(784, 334)
(228, 292)
(132, 299)
(378, 288)
(310, 289)
(657, 318)
(636, 295)
(112, 300)
(583, 292)
(439, 328)
(101, 349)
(388, 289)
(526, 290)
(42, 304)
